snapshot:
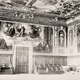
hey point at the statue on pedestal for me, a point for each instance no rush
(61, 38)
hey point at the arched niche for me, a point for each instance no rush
(78, 37)
(62, 38)
(70, 37)
(56, 36)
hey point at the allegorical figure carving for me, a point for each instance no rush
(35, 32)
(9, 29)
(21, 31)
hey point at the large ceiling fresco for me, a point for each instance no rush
(67, 8)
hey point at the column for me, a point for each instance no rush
(53, 39)
(30, 58)
(49, 35)
(33, 64)
(1, 31)
(14, 58)
(68, 38)
(42, 32)
(67, 51)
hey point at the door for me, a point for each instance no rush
(22, 59)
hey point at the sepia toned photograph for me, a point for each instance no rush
(39, 39)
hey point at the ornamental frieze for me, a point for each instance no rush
(17, 15)
(29, 17)
(24, 16)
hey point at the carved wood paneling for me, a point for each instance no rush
(51, 60)
(61, 51)
(73, 60)
(22, 63)
(5, 59)
(70, 50)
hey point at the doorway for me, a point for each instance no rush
(22, 63)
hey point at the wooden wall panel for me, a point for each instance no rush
(22, 57)
(60, 61)
(51, 60)
(5, 59)
(55, 60)
(65, 61)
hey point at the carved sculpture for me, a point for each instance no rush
(10, 30)
(56, 36)
(35, 32)
(21, 31)
(61, 38)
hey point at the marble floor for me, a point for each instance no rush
(66, 76)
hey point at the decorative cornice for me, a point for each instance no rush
(32, 17)
(72, 21)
